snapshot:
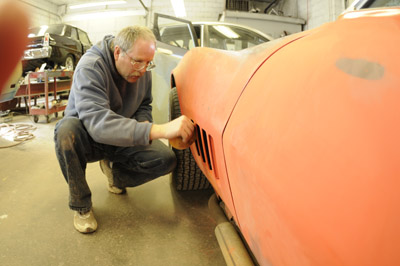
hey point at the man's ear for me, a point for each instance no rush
(117, 52)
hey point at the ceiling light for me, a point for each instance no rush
(105, 3)
(227, 32)
(179, 8)
(102, 15)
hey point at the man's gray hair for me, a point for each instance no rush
(127, 36)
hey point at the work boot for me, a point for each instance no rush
(85, 222)
(106, 169)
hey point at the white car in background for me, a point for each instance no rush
(363, 4)
(176, 36)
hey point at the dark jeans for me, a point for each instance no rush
(132, 166)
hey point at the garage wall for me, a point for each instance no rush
(41, 12)
(318, 12)
(205, 10)
(275, 20)
(315, 12)
(97, 28)
(98, 22)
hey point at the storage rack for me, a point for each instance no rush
(46, 85)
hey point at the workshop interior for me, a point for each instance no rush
(295, 156)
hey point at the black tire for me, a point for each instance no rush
(187, 175)
(69, 63)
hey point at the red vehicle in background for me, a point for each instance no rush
(299, 137)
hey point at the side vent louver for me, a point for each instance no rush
(204, 147)
(207, 151)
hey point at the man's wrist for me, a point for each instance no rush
(156, 132)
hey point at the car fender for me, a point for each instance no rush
(209, 83)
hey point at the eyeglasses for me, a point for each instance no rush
(137, 65)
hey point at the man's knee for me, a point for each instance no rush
(66, 133)
(161, 161)
(169, 159)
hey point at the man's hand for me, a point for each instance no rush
(181, 127)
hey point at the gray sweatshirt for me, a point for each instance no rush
(111, 109)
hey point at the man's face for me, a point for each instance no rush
(142, 51)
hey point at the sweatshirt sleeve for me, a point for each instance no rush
(93, 108)
(144, 112)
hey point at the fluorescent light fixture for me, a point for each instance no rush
(226, 31)
(102, 15)
(179, 8)
(105, 3)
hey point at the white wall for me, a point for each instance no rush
(100, 21)
(314, 12)
(318, 12)
(41, 12)
(97, 28)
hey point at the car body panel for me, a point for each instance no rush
(329, 136)
(304, 135)
(211, 98)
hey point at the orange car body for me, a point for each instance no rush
(300, 137)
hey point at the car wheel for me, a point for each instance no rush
(69, 63)
(186, 175)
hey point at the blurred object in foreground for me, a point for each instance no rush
(14, 26)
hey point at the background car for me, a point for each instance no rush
(176, 36)
(59, 45)
(299, 138)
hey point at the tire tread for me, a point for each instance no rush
(186, 175)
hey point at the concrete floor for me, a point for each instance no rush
(152, 224)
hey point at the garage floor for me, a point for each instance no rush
(151, 225)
